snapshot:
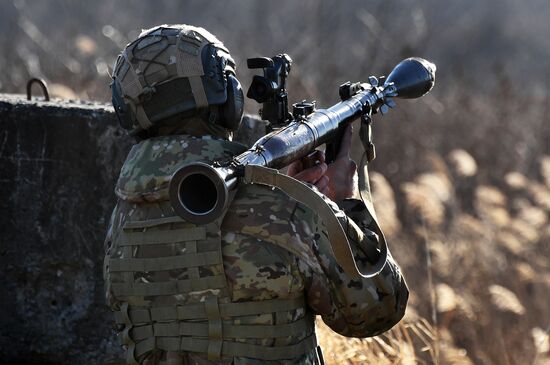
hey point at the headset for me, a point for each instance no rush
(231, 112)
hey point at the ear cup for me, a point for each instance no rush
(232, 110)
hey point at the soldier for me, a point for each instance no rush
(244, 289)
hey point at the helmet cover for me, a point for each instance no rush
(170, 73)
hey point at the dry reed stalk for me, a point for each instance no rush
(402, 345)
(433, 293)
(462, 163)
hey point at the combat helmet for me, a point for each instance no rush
(176, 74)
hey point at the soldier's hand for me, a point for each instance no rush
(311, 169)
(337, 180)
(342, 171)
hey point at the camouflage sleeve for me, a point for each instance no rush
(360, 307)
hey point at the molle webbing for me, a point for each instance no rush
(228, 349)
(209, 333)
(228, 329)
(163, 237)
(165, 263)
(154, 222)
(198, 311)
(149, 235)
(170, 287)
(210, 326)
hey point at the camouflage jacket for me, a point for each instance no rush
(271, 247)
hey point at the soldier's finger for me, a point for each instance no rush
(322, 183)
(345, 144)
(312, 174)
(294, 168)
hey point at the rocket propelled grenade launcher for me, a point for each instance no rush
(199, 192)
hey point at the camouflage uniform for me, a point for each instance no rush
(272, 250)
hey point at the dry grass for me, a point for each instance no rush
(411, 342)
(407, 343)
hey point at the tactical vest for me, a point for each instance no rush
(167, 275)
